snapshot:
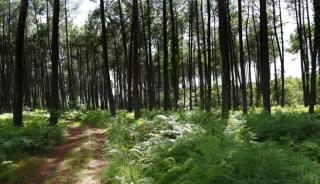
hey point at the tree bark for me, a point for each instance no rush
(223, 8)
(264, 53)
(208, 76)
(242, 65)
(166, 87)
(135, 59)
(316, 51)
(55, 64)
(19, 70)
(105, 58)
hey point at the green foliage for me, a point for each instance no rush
(293, 91)
(97, 118)
(197, 147)
(294, 123)
(15, 172)
(292, 128)
(74, 115)
(294, 43)
(18, 143)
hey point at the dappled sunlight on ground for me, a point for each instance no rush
(77, 161)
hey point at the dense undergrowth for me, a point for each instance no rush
(199, 147)
(21, 148)
(184, 147)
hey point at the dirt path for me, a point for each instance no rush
(77, 161)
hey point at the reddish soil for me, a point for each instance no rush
(72, 140)
(89, 176)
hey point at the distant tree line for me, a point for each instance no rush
(169, 54)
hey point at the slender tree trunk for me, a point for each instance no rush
(208, 76)
(264, 53)
(204, 50)
(275, 30)
(55, 65)
(190, 54)
(19, 71)
(105, 58)
(166, 87)
(159, 75)
(215, 63)
(223, 9)
(130, 107)
(276, 86)
(282, 58)
(242, 65)
(258, 61)
(174, 53)
(124, 45)
(316, 51)
(150, 71)
(135, 59)
(302, 51)
(72, 96)
(249, 58)
(200, 72)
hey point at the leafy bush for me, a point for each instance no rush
(97, 118)
(74, 115)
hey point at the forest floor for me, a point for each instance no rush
(77, 161)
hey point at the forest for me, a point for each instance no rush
(159, 92)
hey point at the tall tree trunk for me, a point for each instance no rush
(223, 9)
(316, 51)
(174, 65)
(105, 58)
(249, 57)
(215, 63)
(72, 96)
(258, 60)
(159, 83)
(124, 45)
(150, 64)
(208, 76)
(19, 70)
(135, 59)
(275, 30)
(242, 65)
(55, 65)
(264, 53)
(204, 50)
(190, 54)
(129, 76)
(276, 86)
(200, 72)
(166, 87)
(302, 51)
(282, 58)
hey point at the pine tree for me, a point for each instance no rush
(19, 70)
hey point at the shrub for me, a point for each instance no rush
(97, 118)
(295, 124)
